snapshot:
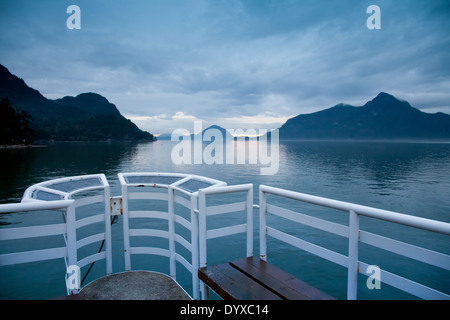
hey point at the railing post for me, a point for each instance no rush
(202, 227)
(250, 222)
(126, 228)
(108, 245)
(352, 277)
(202, 237)
(171, 229)
(194, 242)
(72, 259)
(262, 225)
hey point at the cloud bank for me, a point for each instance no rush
(239, 64)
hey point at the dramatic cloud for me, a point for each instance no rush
(236, 63)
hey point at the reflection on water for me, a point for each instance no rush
(23, 167)
(398, 176)
(332, 169)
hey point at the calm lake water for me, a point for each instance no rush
(411, 178)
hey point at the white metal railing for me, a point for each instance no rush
(33, 232)
(67, 189)
(170, 234)
(355, 236)
(204, 211)
(177, 191)
(192, 193)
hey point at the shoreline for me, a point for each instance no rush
(21, 146)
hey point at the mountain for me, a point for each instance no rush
(86, 117)
(14, 125)
(384, 117)
(165, 136)
(92, 103)
(226, 136)
(224, 132)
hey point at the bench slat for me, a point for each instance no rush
(231, 284)
(278, 281)
(254, 279)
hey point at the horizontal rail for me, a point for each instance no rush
(185, 223)
(307, 220)
(409, 286)
(309, 247)
(182, 201)
(48, 186)
(398, 247)
(179, 239)
(150, 214)
(91, 239)
(225, 231)
(227, 189)
(149, 233)
(176, 185)
(400, 218)
(89, 220)
(183, 261)
(32, 256)
(32, 232)
(64, 195)
(89, 200)
(405, 249)
(92, 258)
(226, 208)
(147, 196)
(35, 206)
(180, 190)
(147, 250)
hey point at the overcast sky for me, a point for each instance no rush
(235, 63)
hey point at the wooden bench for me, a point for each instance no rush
(255, 279)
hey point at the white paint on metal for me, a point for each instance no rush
(195, 201)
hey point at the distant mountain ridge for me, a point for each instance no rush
(212, 130)
(85, 101)
(384, 117)
(86, 117)
(91, 117)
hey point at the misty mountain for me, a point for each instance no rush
(214, 130)
(217, 129)
(384, 117)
